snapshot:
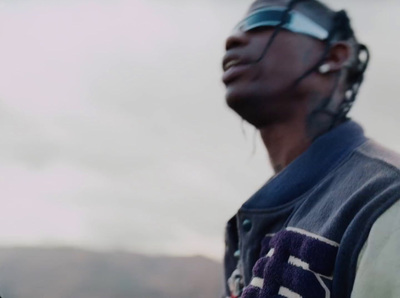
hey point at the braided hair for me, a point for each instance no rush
(340, 31)
(357, 64)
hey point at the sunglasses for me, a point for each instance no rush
(273, 16)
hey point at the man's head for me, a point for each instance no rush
(290, 57)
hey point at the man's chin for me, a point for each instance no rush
(241, 93)
(244, 107)
(236, 102)
(236, 97)
(253, 109)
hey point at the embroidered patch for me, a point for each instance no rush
(295, 264)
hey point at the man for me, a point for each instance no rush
(326, 224)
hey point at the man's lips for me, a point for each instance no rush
(233, 65)
(233, 71)
(231, 60)
(230, 63)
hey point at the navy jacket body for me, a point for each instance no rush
(302, 232)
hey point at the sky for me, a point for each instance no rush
(114, 130)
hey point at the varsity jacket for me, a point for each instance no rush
(302, 234)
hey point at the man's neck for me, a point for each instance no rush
(285, 142)
(288, 139)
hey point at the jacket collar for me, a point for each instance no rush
(324, 154)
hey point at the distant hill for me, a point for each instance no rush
(73, 273)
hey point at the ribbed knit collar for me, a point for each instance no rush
(325, 153)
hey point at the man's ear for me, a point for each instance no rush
(338, 56)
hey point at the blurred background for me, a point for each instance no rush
(117, 148)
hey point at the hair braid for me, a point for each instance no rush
(354, 79)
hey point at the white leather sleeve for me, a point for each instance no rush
(378, 269)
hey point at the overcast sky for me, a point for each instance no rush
(114, 131)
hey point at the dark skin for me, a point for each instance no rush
(264, 94)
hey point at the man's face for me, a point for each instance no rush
(262, 92)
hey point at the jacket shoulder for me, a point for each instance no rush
(375, 151)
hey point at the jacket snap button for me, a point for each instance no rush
(246, 225)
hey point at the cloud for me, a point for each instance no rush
(114, 129)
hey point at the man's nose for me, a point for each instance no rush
(238, 38)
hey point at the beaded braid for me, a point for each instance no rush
(355, 74)
(341, 30)
(354, 80)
